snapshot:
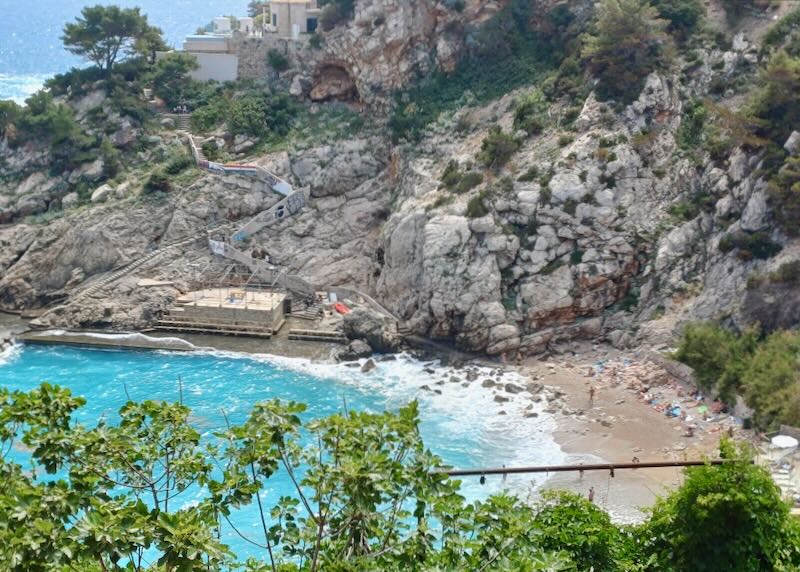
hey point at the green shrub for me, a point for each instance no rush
(111, 158)
(476, 207)
(718, 357)
(693, 121)
(529, 175)
(530, 113)
(570, 206)
(784, 194)
(158, 181)
(210, 150)
(335, 13)
(179, 163)
(683, 15)
(497, 148)
(277, 60)
(785, 33)
(630, 42)
(564, 140)
(315, 41)
(451, 175)
(750, 245)
(469, 181)
(772, 381)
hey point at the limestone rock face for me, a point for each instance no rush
(389, 42)
(373, 328)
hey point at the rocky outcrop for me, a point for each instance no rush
(388, 43)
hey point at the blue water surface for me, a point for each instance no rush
(30, 34)
(464, 425)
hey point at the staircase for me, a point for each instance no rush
(309, 312)
(183, 121)
(130, 267)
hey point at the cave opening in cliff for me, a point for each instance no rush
(332, 82)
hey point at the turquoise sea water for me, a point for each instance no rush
(464, 425)
(30, 32)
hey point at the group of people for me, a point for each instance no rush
(180, 109)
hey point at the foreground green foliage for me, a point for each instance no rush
(765, 371)
(367, 496)
(723, 518)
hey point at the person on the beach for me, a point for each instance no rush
(503, 357)
(592, 391)
(591, 494)
(519, 358)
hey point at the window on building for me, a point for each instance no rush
(311, 25)
(274, 19)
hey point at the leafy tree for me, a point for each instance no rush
(784, 192)
(106, 34)
(772, 381)
(573, 525)
(729, 518)
(256, 7)
(10, 113)
(367, 495)
(683, 15)
(718, 357)
(630, 42)
(170, 78)
(777, 105)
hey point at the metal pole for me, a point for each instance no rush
(589, 467)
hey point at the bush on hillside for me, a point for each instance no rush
(530, 113)
(750, 245)
(629, 43)
(476, 207)
(777, 103)
(497, 148)
(158, 181)
(683, 15)
(784, 193)
(335, 13)
(277, 60)
(718, 357)
(772, 381)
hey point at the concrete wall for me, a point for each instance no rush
(219, 67)
(200, 43)
(252, 53)
(290, 17)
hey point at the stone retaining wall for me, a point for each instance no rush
(252, 54)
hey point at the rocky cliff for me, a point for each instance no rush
(602, 225)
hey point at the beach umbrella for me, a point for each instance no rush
(784, 442)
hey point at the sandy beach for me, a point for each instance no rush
(620, 425)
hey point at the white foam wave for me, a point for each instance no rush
(507, 428)
(133, 338)
(19, 87)
(9, 354)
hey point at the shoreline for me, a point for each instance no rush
(617, 427)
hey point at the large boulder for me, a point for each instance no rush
(374, 328)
